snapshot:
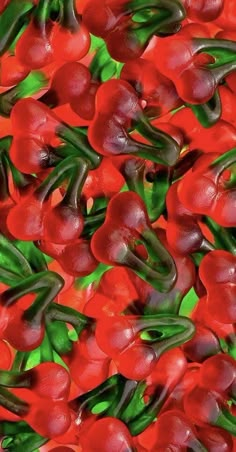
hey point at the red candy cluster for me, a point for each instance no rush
(117, 225)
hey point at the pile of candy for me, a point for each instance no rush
(118, 225)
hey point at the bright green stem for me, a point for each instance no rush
(33, 83)
(58, 335)
(13, 403)
(68, 315)
(140, 422)
(226, 421)
(46, 351)
(42, 13)
(136, 405)
(11, 21)
(110, 391)
(94, 277)
(231, 345)
(80, 142)
(209, 113)
(20, 361)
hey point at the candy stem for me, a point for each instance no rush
(69, 315)
(185, 163)
(11, 21)
(19, 266)
(227, 422)
(171, 12)
(133, 171)
(110, 390)
(48, 284)
(119, 405)
(4, 191)
(76, 184)
(30, 85)
(204, 44)
(156, 195)
(58, 334)
(168, 148)
(46, 352)
(41, 14)
(222, 236)
(13, 379)
(69, 18)
(13, 403)
(209, 113)
(224, 161)
(222, 71)
(149, 413)
(54, 179)
(20, 361)
(95, 219)
(80, 142)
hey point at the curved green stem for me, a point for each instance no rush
(48, 284)
(13, 403)
(171, 12)
(68, 315)
(226, 421)
(68, 17)
(80, 142)
(209, 113)
(34, 82)
(223, 237)
(77, 180)
(11, 21)
(168, 148)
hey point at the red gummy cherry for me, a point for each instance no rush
(107, 435)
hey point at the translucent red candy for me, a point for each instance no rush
(117, 225)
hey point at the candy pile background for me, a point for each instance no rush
(117, 225)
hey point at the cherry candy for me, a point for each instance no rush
(107, 434)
